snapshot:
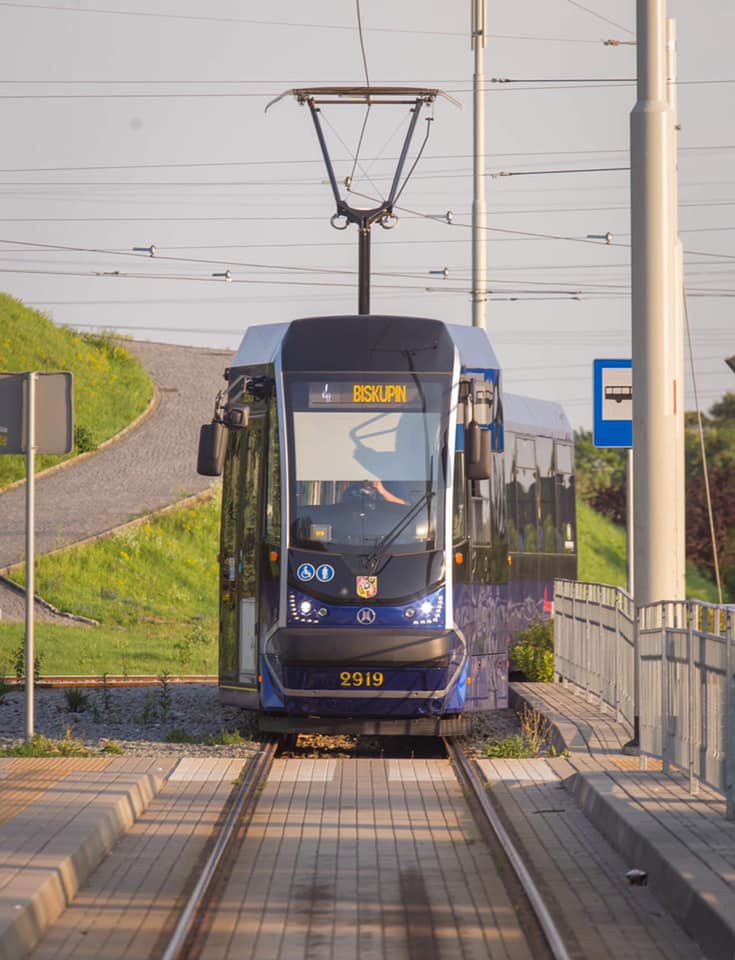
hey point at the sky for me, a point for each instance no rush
(128, 124)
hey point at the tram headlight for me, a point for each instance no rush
(428, 612)
(305, 607)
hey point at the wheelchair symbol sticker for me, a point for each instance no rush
(325, 573)
(305, 572)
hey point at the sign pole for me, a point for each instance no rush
(629, 518)
(30, 551)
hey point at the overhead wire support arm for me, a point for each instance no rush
(364, 218)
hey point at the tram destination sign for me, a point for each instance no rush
(348, 393)
(54, 426)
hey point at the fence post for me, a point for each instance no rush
(587, 644)
(572, 638)
(730, 720)
(693, 781)
(664, 689)
(616, 690)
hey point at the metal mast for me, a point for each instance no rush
(479, 263)
(654, 422)
(677, 318)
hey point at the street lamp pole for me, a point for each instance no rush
(654, 377)
(479, 263)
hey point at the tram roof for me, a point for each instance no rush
(262, 341)
(530, 415)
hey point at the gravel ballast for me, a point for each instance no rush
(139, 719)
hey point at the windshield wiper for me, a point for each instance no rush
(385, 541)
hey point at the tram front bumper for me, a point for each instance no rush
(372, 672)
(375, 646)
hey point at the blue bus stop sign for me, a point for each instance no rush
(613, 403)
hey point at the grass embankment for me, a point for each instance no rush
(110, 387)
(602, 555)
(153, 588)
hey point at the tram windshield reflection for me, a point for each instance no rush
(363, 454)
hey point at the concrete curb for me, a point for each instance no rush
(62, 614)
(694, 895)
(564, 734)
(39, 897)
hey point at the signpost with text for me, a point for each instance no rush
(36, 416)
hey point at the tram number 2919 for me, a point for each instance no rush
(360, 678)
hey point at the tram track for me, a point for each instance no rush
(183, 941)
(63, 681)
(189, 936)
(475, 790)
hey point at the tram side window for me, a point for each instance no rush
(231, 497)
(273, 481)
(547, 499)
(480, 511)
(459, 527)
(565, 509)
(527, 494)
(511, 498)
(250, 506)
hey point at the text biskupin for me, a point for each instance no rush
(379, 393)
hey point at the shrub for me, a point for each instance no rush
(179, 736)
(513, 746)
(84, 439)
(533, 653)
(41, 746)
(225, 738)
(76, 700)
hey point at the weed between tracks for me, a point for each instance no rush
(532, 741)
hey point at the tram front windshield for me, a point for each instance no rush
(367, 462)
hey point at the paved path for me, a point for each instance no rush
(682, 840)
(152, 466)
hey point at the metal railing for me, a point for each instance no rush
(677, 689)
(594, 643)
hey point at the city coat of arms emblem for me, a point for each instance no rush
(367, 587)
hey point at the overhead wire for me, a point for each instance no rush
(594, 13)
(279, 23)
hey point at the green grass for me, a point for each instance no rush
(602, 555)
(153, 589)
(41, 746)
(110, 387)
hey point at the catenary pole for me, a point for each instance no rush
(30, 551)
(654, 426)
(479, 263)
(677, 317)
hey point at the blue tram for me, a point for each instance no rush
(390, 521)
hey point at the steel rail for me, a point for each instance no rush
(255, 773)
(467, 774)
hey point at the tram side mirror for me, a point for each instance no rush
(212, 441)
(478, 464)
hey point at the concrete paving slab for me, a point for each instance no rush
(130, 904)
(681, 840)
(579, 874)
(60, 834)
